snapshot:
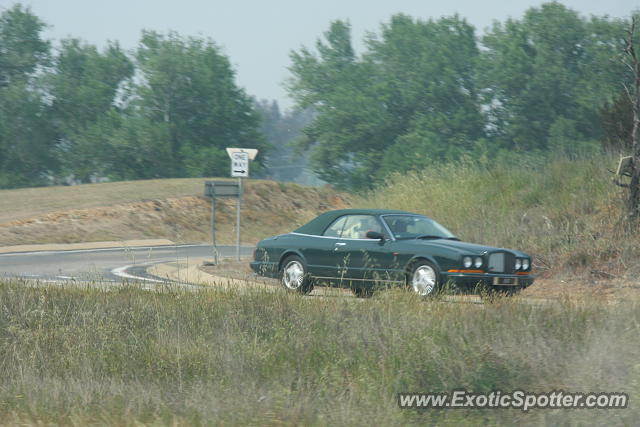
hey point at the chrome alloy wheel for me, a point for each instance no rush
(424, 280)
(293, 275)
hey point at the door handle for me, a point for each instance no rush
(339, 245)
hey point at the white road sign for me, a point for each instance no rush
(253, 152)
(240, 164)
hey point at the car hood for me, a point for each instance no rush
(463, 248)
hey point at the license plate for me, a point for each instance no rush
(505, 281)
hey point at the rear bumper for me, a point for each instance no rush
(502, 280)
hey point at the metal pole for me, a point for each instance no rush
(213, 228)
(238, 219)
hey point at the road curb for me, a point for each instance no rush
(188, 271)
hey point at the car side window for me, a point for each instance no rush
(335, 229)
(357, 226)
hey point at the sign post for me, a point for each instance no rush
(213, 230)
(240, 158)
(239, 169)
(215, 189)
(238, 219)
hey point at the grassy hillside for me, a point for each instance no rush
(566, 213)
(29, 202)
(129, 357)
(172, 208)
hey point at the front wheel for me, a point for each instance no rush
(294, 276)
(423, 278)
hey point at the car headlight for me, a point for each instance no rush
(525, 264)
(477, 262)
(518, 263)
(467, 262)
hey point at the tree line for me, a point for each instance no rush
(427, 91)
(80, 114)
(423, 91)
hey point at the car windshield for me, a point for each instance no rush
(414, 226)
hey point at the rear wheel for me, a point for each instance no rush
(294, 276)
(423, 278)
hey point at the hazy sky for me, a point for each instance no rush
(259, 35)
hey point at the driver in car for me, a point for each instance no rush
(399, 225)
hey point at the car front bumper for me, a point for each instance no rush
(489, 279)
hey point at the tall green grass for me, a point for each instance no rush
(127, 356)
(567, 213)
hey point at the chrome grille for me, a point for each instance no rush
(502, 262)
(496, 263)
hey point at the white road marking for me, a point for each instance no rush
(122, 272)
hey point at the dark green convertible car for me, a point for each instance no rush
(364, 248)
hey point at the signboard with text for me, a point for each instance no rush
(240, 164)
(221, 189)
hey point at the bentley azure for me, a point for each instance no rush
(364, 248)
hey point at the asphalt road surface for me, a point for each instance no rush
(102, 265)
(112, 267)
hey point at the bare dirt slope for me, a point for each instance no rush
(166, 209)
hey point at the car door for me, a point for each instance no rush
(361, 258)
(319, 251)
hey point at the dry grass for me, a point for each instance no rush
(129, 357)
(30, 202)
(171, 209)
(566, 213)
(605, 290)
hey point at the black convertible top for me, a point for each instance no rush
(319, 224)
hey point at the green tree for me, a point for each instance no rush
(128, 147)
(413, 89)
(428, 71)
(334, 83)
(188, 88)
(549, 69)
(84, 85)
(25, 135)
(22, 49)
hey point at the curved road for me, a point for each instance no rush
(113, 266)
(102, 265)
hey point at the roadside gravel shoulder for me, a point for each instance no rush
(192, 271)
(233, 274)
(228, 274)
